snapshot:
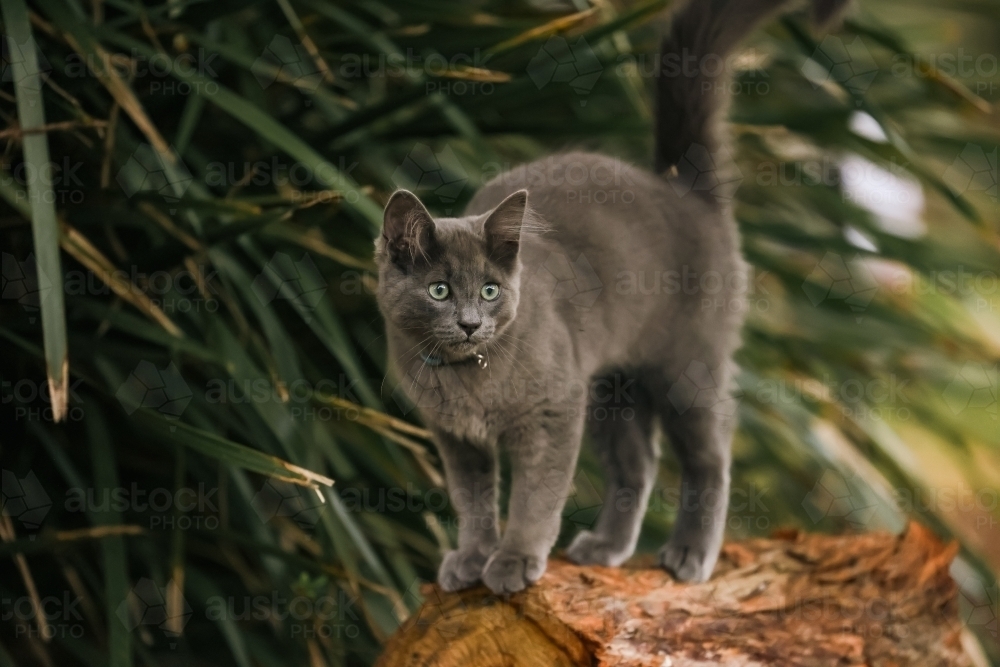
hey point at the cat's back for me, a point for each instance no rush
(615, 212)
(570, 180)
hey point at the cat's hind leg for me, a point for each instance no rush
(701, 436)
(620, 424)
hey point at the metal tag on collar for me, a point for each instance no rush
(481, 360)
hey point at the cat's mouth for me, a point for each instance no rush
(466, 346)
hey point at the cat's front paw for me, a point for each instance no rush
(687, 563)
(509, 572)
(462, 569)
(589, 548)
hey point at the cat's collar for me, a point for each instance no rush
(436, 360)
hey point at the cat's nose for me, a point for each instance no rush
(469, 327)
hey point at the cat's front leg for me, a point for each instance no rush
(471, 472)
(543, 459)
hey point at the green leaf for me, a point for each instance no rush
(178, 433)
(116, 588)
(44, 225)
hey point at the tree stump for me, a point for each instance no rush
(796, 599)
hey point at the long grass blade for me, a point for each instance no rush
(227, 451)
(44, 225)
(115, 557)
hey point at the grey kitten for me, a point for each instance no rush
(515, 327)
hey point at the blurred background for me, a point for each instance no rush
(191, 231)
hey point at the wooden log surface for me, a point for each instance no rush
(795, 599)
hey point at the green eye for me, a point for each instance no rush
(439, 291)
(490, 291)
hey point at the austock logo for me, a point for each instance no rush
(976, 386)
(298, 282)
(979, 605)
(974, 170)
(704, 387)
(849, 64)
(13, 60)
(560, 62)
(282, 499)
(287, 61)
(148, 604)
(584, 501)
(162, 390)
(23, 282)
(311, 613)
(148, 170)
(571, 281)
(175, 290)
(437, 389)
(837, 279)
(581, 502)
(53, 617)
(839, 497)
(438, 174)
(32, 401)
(700, 170)
(449, 615)
(24, 500)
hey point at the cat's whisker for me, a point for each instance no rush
(402, 363)
(489, 364)
(420, 371)
(515, 340)
(523, 367)
(512, 359)
(420, 342)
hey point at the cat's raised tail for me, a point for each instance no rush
(693, 73)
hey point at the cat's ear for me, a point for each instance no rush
(407, 229)
(502, 228)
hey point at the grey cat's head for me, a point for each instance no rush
(450, 284)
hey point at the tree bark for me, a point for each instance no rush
(796, 599)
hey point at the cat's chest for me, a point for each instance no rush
(453, 399)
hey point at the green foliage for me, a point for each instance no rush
(219, 172)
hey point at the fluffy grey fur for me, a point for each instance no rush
(600, 323)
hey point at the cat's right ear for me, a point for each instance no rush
(407, 229)
(503, 228)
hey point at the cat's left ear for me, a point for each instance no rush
(503, 228)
